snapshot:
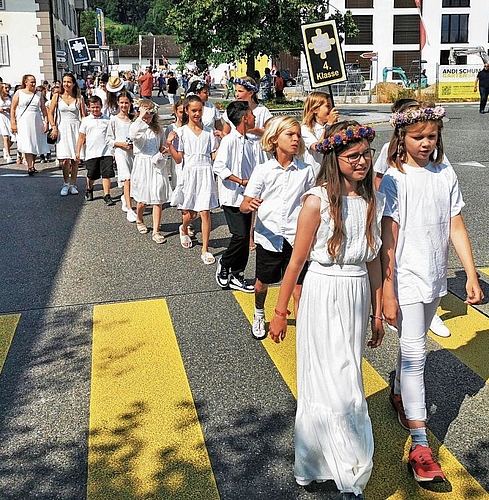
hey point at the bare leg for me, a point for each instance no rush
(127, 194)
(30, 159)
(206, 229)
(66, 165)
(74, 172)
(157, 211)
(140, 211)
(106, 186)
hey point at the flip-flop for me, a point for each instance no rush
(208, 258)
(185, 239)
(141, 227)
(191, 230)
(158, 238)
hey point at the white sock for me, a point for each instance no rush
(259, 313)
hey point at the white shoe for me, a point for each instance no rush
(9, 159)
(438, 328)
(64, 189)
(124, 204)
(73, 189)
(258, 328)
(131, 216)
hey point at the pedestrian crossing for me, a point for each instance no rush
(145, 436)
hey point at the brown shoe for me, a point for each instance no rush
(396, 402)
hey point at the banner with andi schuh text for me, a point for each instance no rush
(457, 81)
(323, 53)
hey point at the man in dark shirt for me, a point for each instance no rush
(172, 86)
(483, 81)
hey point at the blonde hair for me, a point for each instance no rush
(314, 101)
(274, 127)
(154, 125)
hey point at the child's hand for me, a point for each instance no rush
(277, 328)
(474, 293)
(377, 333)
(163, 149)
(218, 133)
(171, 137)
(334, 114)
(390, 310)
(254, 204)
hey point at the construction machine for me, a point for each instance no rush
(455, 52)
(407, 84)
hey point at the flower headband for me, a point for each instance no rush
(411, 116)
(352, 133)
(246, 84)
(137, 105)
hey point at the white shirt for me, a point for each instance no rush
(95, 130)
(210, 115)
(234, 157)
(313, 157)
(422, 201)
(281, 190)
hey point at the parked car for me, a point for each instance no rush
(288, 80)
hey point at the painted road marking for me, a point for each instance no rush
(471, 164)
(391, 480)
(145, 439)
(8, 325)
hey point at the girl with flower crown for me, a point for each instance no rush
(338, 230)
(422, 214)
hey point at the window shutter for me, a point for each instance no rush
(4, 54)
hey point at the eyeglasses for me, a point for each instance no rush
(354, 158)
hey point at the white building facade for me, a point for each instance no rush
(391, 29)
(33, 37)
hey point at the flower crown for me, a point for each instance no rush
(411, 116)
(137, 104)
(352, 133)
(246, 84)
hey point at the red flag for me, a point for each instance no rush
(422, 29)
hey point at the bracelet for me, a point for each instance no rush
(281, 314)
(372, 316)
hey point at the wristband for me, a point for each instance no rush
(281, 314)
(372, 316)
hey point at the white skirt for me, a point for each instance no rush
(333, 432)
(124, 161)
(149, 184)
(68, 131)
(198, 189)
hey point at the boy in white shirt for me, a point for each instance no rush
(233, 166)
(98, 155)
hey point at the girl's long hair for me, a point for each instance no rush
(331, 178)
(125, 93)
(313, 102)
(75, 91)
(397, 153)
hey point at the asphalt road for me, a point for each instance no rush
(62, 258)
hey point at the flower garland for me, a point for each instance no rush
(353, 133)
(246, 84)
(137, 105)
(403, 118)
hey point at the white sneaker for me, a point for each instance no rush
(9, 159)
(73, 189)
(438, 328)
(131, 216)
(258, 328)
(124, 204)
(64, 189)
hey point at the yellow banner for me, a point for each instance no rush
(457, 90)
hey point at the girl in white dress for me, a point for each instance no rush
(317, 116)
(339, 232)
(65, 114)
(197, 147)
(175, 170)
(149, 182)
(5, 127)
(211, 116)
(119, 139)
(28, 120)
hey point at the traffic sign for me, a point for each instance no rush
(79, 50)
(60, 59)
(323, 53)
(369, 55)
(61, 53)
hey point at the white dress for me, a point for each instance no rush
(198, 185)
(68, 119)
(333, 432)
(314, 158)
(149, 182)
(5, 127)
(30, 128)
(210, 115)
(174, 170)
(118, 131)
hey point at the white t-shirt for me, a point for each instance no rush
(95, 130)
(281, 190)
(422, 201)
(313, 157)
(210, 115)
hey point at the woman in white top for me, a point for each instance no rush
(29, 121)
(65, 114)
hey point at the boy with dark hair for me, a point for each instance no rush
(98, 155)
(233, 166)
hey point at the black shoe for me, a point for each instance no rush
(222, 275)
(108, 200)
(48, 157)
(237, 282)
(481, 111)
(89, 195)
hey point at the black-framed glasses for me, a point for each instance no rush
(354, 158)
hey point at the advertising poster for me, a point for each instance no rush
(457, 81)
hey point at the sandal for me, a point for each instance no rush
(191, 230)
(185, 239)
(141, 227)
(208, 258)
(158, 238)
(30, 171)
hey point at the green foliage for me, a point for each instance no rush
(117, 34)
(87, 25)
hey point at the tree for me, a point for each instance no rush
(220, 31)
(87, 25)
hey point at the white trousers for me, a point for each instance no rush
(414, 322)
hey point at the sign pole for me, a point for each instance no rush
(331, 96)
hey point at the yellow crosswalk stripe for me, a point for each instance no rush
(390, 478)
(145, 439)
(469, 340)
(8, 325)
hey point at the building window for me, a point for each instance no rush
(454, 28)
(402, 4)
(455, 3)
(364, 24)
(359, 4)
(408, 60)
(2, 4)
(406, 29)
(4, 53)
